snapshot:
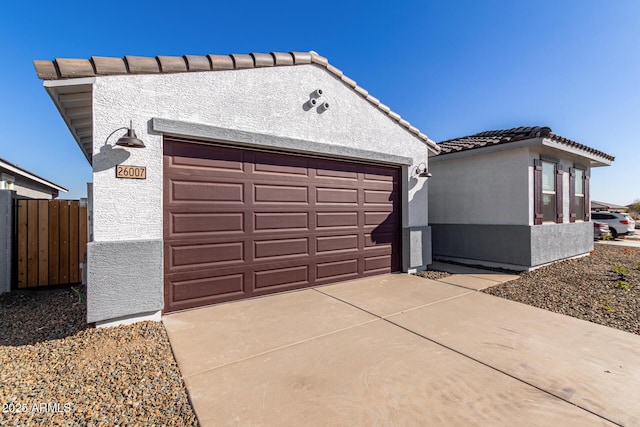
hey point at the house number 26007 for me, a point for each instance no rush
(131, 172)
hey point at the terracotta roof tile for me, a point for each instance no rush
(504, 136)
(317, 59)
(46, 70)
(301, 57)
(197, 63)
(242, 61)
(262, 59)
(101, 66)
(107, 66)
(172, 64)
(282, 58)
(142, 65)
(221, 62)
(72, 68)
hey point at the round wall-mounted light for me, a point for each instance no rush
(130, 139)
(421, 171)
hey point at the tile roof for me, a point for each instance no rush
(63, 68)
(496, 137)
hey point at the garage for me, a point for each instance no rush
(259, 173)
(241, 223)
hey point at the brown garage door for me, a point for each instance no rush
(241, 223)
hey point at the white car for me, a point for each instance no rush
(619, 223)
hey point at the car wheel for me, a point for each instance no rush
(614, 233)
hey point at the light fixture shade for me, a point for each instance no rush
(130, 139)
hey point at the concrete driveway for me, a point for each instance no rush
(403, 350)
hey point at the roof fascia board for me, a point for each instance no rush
(486, 150)
(258, 140)
(25, 174)
(70, 82)
(595, 161)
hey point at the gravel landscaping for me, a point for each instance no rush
(58, 371)
(586, 288)
(433, 275)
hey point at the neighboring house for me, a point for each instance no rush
(264, 173)
(610, 207)
(515, 198)
(17, 183)
(26, 184)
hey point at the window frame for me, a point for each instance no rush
(540, 192)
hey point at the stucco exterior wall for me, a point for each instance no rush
(480, 189)
(33, 190)
(481, 209)
(265, 101)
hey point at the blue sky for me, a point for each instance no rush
(451, 68)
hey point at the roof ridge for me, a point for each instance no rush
(66, 68)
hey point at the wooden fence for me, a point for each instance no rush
(51, 237)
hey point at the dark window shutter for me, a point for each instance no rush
(587, 201)
(537, 192)
(559, 213)
(572, 195)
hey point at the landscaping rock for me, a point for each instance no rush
(586, 288)
(56, 371)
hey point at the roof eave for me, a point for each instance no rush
(74, 100)
(595, 159)
(33, 177)
(63, 70)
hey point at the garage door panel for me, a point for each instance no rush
(186, 224)
(337, 269)
(280, 194)
(267, 163)
(241, 223)
(348, 242)
(379, 197)
(232, 284)
(276, 278)
(191, 158)
(206, 255)
(378, 239)
(336, 219)
(327, 169)
(380, 264)
(272, 249)
(337, 196)
(281, 221)
(208, 192)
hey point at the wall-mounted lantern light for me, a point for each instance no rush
(130, 139)
(421, 171)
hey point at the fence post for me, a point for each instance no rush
(6, 239)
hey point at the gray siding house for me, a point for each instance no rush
(515, 198)
(27, 184)
(260, 173)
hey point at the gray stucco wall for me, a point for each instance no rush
(6, 250)
(517, 245)
(551, 242)
(123, 278)
(267, 104)
(480, 189)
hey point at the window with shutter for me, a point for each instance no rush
(537, 192)
(572, 195)
(558, 191)
(585, 189)
(578, 198)
(549, 206)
